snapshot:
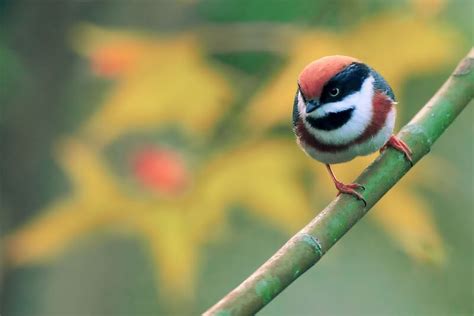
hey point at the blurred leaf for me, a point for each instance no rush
(59, 223)
(262, 177)
(265, 177)
(159, 81)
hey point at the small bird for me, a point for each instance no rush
(343, 109)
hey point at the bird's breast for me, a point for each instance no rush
(374, 137)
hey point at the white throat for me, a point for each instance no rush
(361, 117)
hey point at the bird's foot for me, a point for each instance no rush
(399, 145)
(350, 189)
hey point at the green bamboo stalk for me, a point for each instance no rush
(304, 249)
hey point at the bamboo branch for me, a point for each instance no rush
(304, 249)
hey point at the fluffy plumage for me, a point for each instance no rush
(357, 122)
(343, 109)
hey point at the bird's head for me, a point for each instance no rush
(335, 94)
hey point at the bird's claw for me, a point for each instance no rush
(399, 145)
(351, 189)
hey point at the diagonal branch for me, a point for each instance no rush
(305, 248)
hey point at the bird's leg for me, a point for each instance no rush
(399, 145)
(346, 188)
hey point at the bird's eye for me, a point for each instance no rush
(334, 92)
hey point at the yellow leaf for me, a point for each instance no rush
(163, 81)
(86, 169)
(174, 252)
(69, 218)
(63, 222)
(265, 177)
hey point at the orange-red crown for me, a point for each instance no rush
(315, 75)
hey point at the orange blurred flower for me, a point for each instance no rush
(160, 170)
(114, 60)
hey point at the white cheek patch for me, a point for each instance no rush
(361, 117)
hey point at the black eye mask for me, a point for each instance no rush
(347, 81)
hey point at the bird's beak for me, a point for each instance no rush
(312, 105)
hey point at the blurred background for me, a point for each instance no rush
(148, 163)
